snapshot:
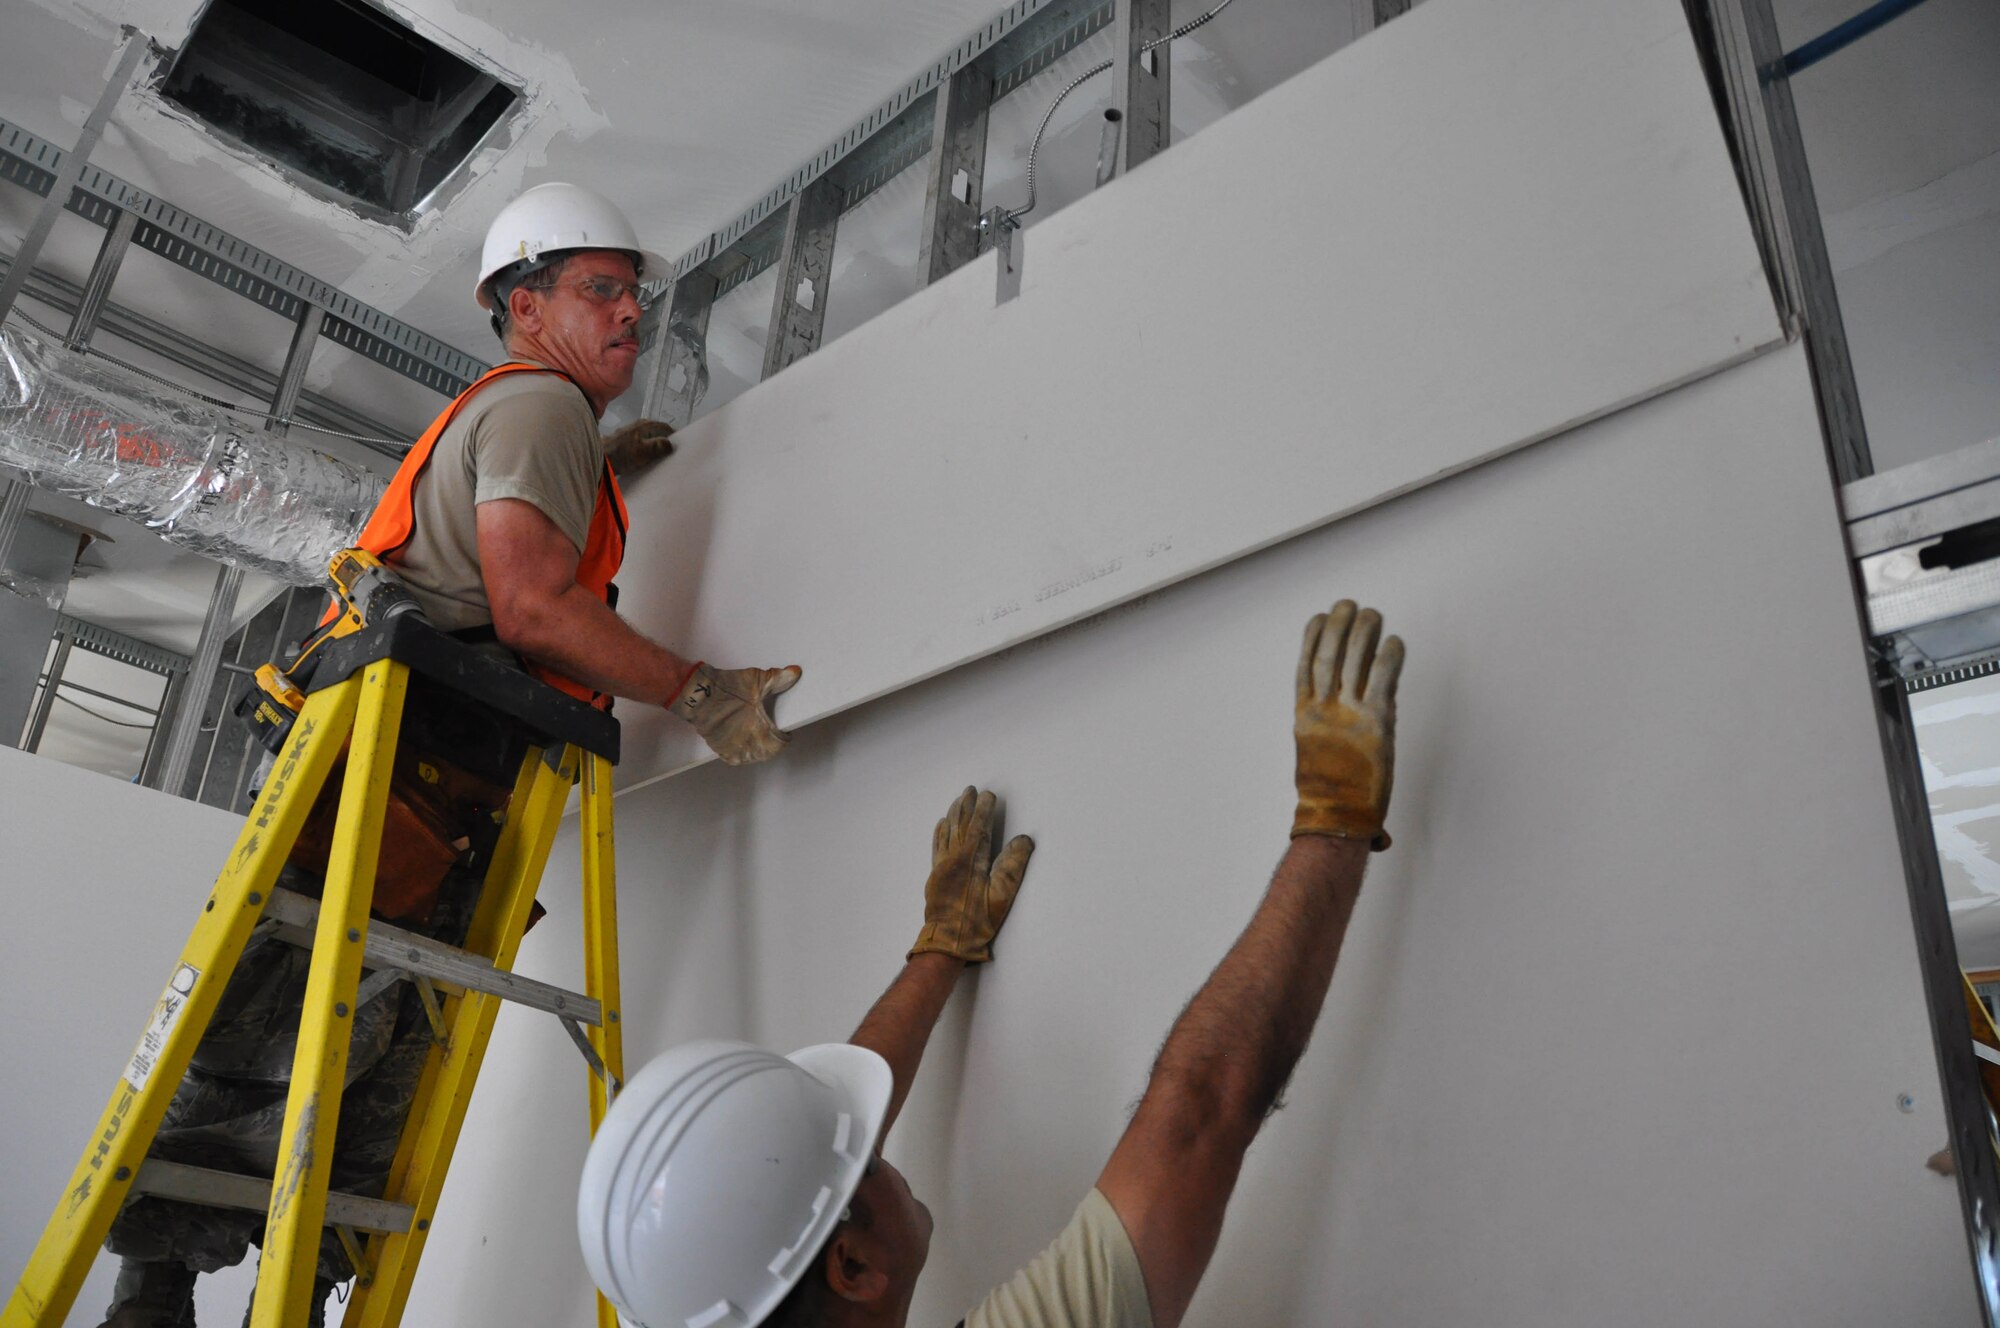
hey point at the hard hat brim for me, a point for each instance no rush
(865, 1083)
(861, 1076)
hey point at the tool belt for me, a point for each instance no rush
(454, 771)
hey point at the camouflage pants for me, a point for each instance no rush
(229, 1111)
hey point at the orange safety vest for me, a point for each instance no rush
(394, 521)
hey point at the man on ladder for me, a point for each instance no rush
(506, 523)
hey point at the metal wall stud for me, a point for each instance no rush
(957, 171)
(1143, 79)
(805, 267)
(97, 287)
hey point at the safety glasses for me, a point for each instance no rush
(610, 290)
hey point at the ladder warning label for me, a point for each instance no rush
(173, 1004)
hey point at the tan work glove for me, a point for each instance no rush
(728, 708)
(968, 894)
(1345, 725)
(638, 445)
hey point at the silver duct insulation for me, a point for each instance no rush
(190, 473)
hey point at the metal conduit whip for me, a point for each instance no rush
(1107, 147)
(200, 679)
(1010, 217)
(136, 46)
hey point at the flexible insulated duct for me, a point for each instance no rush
(91, 430)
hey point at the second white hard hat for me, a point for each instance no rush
(718, 1174)
(554, 217)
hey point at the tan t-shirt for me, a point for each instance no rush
(526, 436)
(1088, 1278)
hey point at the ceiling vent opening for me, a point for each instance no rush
(340, 93)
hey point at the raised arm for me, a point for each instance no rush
(529, 569)
(966, 900)
(1232, 1051)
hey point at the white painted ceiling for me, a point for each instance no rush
(683, 112)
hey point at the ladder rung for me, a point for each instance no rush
(392, 947)
(224, 1189)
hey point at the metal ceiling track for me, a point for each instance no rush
(182, 238)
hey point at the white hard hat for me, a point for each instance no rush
(554, 217)
(718, 1174)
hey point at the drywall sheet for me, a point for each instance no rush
(1487, 222)
(101, 882)
(1620, 1028)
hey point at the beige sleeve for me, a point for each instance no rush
(542, 448)
(1088, 1278)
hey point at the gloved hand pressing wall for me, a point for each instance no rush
(969, 893)
(729, 709)
(1345, 725)
(638, 445)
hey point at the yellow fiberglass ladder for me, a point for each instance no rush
(358, 694)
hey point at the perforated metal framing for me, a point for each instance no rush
(1934, 678)
(125, 649)
(1024, 39)
(187, 240)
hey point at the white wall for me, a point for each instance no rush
(1623, 1019)
(1485, 224)
(1617, 1037)
(101, 882)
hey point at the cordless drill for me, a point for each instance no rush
(365, 591)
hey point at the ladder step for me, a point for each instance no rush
(393, 948)
(226, 1189)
